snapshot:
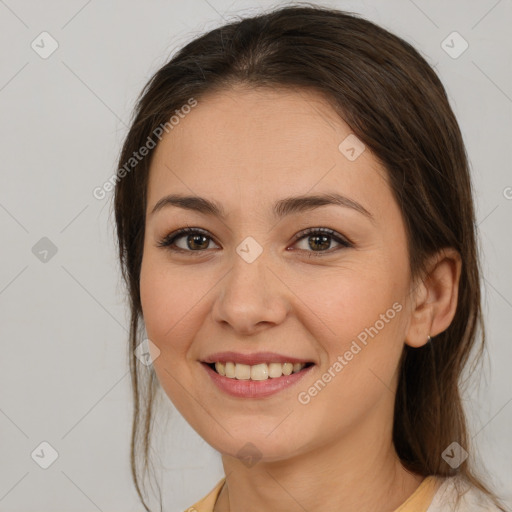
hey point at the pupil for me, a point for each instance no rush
(324, 238)
(195, 238)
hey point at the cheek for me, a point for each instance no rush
(351, 299)
(165, 305)
(174, 303)
(168, 313)
(362, 350)
(365, 315)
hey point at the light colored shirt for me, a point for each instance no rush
(434, 494)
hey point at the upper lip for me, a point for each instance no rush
(252, 359)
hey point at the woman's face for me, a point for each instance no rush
(245, 284)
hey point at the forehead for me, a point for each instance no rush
(263, 142)
(264, 120)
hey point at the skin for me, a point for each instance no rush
(246, 149)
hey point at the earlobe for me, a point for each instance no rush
(435, 302)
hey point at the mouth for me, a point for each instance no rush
(258, 372)
(259, 381)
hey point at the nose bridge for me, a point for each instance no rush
(249, 294)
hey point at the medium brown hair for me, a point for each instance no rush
(396, 105)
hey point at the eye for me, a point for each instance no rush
(197, 240)
(320, 239)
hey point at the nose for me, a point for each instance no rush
(251, 297)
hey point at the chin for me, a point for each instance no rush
(257, 447)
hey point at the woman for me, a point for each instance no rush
(296, 230)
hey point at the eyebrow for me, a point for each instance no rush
(282, 208)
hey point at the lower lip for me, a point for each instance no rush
(254, 388)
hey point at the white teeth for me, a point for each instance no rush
(287, 368)
(261, 371)
(275, 370)
(242, 371)
(221, 368)
(230, 370)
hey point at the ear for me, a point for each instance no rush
(435, 298)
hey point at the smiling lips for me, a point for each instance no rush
(260, 371)
(262, 386)
(256, 366)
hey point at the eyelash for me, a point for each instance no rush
(169, 239)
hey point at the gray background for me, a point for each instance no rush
(63, 371)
